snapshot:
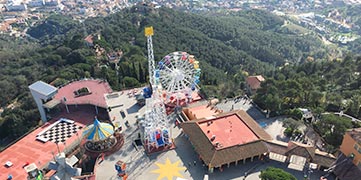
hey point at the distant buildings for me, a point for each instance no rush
(36, 3)
(15, 5)
(52, 2)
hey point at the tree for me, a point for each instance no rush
(141, 73)
(63, 51)
(291, 123)
(272, 173)
(130, 82)
(315, 98)
(75, 56)
(272, 102)
(291, 126)
(334, 99)
(332, 128)
(354, 107)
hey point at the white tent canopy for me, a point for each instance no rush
(313, 166)
(277, 157)
(297, 162)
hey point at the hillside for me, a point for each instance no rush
(248, 41)
(228, 47)
(249, 33)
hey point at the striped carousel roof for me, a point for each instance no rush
(98, 131)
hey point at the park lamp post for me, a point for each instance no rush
(57, 145)
(52, 152)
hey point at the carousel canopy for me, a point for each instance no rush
(98, 131)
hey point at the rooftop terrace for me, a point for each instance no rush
(95, 96)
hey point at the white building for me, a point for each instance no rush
(52, 2)
(43, 93)
(15, 5)
(36, 3)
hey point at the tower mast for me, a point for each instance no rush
(151, 64)
(155, 130)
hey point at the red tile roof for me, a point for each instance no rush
(89, 39)
(254, 82)
(97, 88)
(228, 131)
(234, 148)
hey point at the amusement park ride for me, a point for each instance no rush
(176, 76)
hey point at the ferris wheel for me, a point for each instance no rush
(178, 72)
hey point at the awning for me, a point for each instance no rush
(51, 104)
(277, 157)
(295, 167)
(297, 162)
(178, 178)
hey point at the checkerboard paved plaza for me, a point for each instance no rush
(61, 132)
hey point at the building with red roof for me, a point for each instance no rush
(71, 107)
(253, 83)
(226, 138)
(87, 91)
(233, 137)
(82, 92)
(89, 40)
(33, 149)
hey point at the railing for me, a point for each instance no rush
(91, 102)
(346, 115)
(70, 148)
(19, 138)
(85, 79)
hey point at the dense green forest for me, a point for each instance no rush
(229, 47)
(320, 86)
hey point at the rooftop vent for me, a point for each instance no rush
(213, 137)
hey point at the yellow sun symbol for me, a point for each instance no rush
(168, 170)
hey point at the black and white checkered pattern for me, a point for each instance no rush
(61, 132)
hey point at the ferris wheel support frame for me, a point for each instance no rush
(156, 120)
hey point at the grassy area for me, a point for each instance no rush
(296, 29)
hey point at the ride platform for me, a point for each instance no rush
(153, 149)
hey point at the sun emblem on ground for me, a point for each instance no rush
(168, 170)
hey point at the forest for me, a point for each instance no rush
(321, 86)
(229, 48)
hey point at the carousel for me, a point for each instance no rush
(99, 137)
